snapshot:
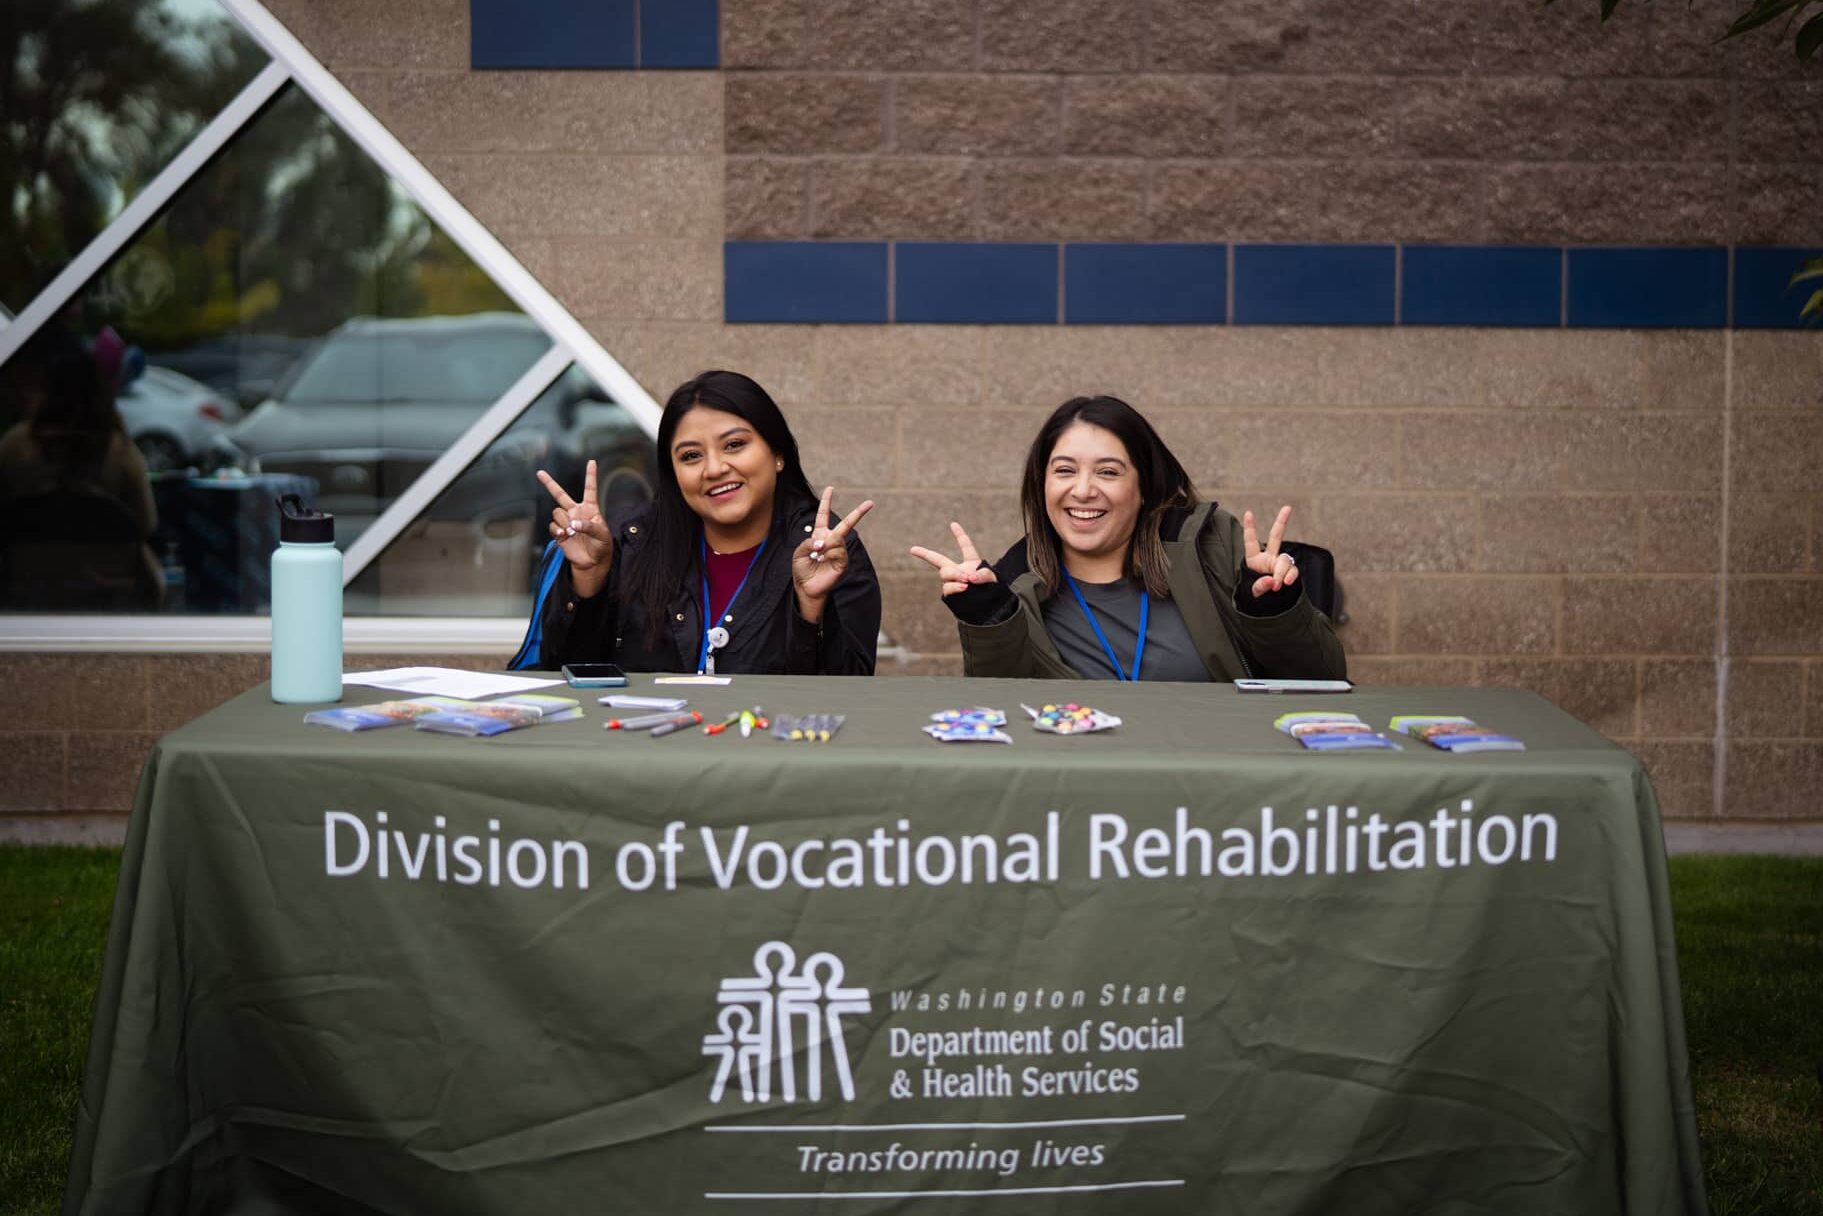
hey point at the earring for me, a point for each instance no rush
(779, 465)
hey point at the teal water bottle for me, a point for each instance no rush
(306, 607)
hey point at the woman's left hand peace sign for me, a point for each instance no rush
(818, 563)
(1276, 570)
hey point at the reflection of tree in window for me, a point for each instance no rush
(291, 232)
(98, 97)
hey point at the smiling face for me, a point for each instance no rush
(726, 473)
(1092, 497)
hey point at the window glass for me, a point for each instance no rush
(291, 323)
(475, 551)
(98, 96)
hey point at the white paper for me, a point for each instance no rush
(446, 681)
(716, 680)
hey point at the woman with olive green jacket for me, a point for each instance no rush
(1123, 574)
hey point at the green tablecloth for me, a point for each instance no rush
(567, 969)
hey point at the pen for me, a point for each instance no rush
(677, 723)
(646, 721)
(716, 728)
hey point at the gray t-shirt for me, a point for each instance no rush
(1170, 652)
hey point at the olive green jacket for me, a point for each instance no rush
(1204, 557)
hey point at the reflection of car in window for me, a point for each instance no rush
(172, 418)
(379, 400)
(242, 368)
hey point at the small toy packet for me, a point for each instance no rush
(1070, 719)
(976, 724)
(1329, 731)
(1453, 733)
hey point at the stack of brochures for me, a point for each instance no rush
(451, 716)
(1329, 731)
(1455, 734)
(373, 717)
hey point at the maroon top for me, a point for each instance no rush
(725, 572)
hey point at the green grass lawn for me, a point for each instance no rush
(1750, 941)
(53, 920)
(1750, 952)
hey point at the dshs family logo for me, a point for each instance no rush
(779, 1015)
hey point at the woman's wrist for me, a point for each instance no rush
(588, 583)
(982, 604)
(811, 607)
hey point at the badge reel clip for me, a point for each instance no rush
(717, 638)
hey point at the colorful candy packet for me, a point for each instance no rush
(807, 728)
(1070, 719)
(977, 724)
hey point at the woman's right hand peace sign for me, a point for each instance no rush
(578, 527)
(958, 573)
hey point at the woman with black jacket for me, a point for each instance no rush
(733, 567)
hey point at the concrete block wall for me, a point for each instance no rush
(1626, 521)
(1257, 120)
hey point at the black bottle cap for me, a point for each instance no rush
(302, 525)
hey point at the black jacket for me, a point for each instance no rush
(767, 636)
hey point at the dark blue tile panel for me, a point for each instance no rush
(1764, 295)
(679, 34)
(1510, 285)
(804, 282)
(1313, 284)
(1648, 288)
(1145, 284)
(975, 284)
(551, 34)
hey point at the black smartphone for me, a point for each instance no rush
(594, 675)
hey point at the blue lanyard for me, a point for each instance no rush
(1139, 649)
(702, 656)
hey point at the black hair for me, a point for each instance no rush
(653, 578)
(77, 420)
(1163, 484)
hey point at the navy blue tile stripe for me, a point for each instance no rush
(680, 33)
(1098, 283)
(1145, 284)
(1315, 284)
(805, 282)
(1681, 288)
(967, 283)
(1764, 295)
(544, 34)
(1492, 285)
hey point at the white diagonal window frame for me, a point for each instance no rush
(442, 207)
(571, 343)
(398, 514)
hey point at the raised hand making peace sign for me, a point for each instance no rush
(958, 573)
(818, 564)
(1276, 570)
(581, 533)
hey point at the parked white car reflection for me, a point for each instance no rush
(173, 419)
